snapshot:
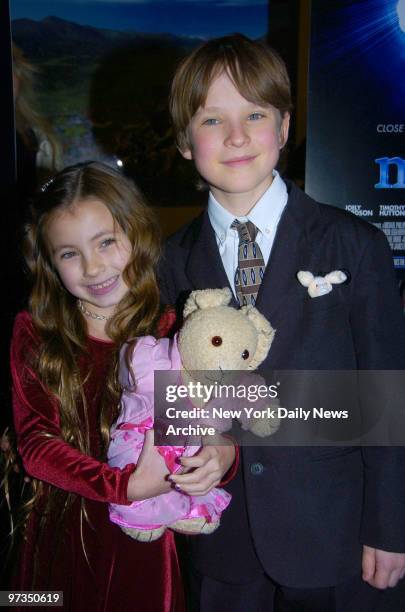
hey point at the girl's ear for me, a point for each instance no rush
(186, 153)
(284, 129)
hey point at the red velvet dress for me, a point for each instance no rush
(121, 574)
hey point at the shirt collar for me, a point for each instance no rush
(265, 214)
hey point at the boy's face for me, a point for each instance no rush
(235, 145)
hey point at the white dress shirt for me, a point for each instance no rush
(265, 215)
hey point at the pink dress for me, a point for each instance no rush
(127, 438)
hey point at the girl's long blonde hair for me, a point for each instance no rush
(58, 322)
(28, 118)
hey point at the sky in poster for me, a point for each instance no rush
(205, 18)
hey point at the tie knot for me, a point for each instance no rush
(247, 231)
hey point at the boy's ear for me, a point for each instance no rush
(284, 129)
(183, 146)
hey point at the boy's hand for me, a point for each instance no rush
(208, 468)
(382, 569)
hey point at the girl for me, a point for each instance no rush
(91, 248)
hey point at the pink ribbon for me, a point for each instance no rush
(142, 427)
(169, 453)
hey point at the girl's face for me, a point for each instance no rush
(90, 251)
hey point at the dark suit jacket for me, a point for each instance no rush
(304, 517)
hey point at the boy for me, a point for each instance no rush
(316, 529)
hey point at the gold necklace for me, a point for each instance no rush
(88, 313)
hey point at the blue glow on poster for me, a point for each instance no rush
(401, 14)
(371, 31)
(356, 122)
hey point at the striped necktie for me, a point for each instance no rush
(250, 271)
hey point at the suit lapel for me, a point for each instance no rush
(289, 253)
(204, 267)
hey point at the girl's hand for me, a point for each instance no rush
(210, 464)
(5, 445)
(150, 476)
(9, 455)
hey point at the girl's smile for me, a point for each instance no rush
(104, 287)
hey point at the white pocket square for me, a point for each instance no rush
(320, 285)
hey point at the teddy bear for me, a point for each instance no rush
(219, 341)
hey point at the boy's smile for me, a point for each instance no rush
(235, 145)
(236, 162)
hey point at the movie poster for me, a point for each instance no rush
(103, 72)
(356, 122)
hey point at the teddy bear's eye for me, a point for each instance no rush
(245, 354)
(216, 340)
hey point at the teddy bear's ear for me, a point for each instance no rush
(265, 335)
(207, 298)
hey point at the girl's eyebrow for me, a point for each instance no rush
(92, 239)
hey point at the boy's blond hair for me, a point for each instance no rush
(257, 71)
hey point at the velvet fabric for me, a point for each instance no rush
(92, 561)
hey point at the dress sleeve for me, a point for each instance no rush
(231, 473)
(45, 455)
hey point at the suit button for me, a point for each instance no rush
(256, 469)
